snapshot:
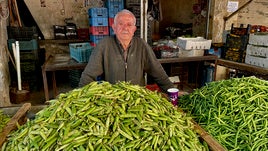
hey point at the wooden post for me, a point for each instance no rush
(4, 70)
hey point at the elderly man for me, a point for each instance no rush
(124, 57)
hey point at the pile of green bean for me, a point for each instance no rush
(234, 111)
(3, 120)
(107, 117)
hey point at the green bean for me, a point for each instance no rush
(236, 108)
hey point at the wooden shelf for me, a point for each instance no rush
(207, 58)
(243, 67)
(56, 63)
(59, 41)
(189, 59)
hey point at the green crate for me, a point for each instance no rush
(24, 45)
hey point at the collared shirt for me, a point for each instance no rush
(107, 59)
(125, 51)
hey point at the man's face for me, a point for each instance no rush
(124, 28)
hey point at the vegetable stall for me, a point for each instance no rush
(101, 116)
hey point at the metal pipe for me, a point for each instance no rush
(208, 14)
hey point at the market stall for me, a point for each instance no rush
(101, 116)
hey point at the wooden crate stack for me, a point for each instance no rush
(30, 55)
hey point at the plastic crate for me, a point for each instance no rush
(193, 43)
(113, 11)
(137, 2)
(71, 32)
(98, 21)
(59, 29)
(22, 33)
(111, 21)
(74, 77)
(99, 30)
(96, 38)
(256, 61)
(191, 53)
(259, 51)
(114, 6)
(24, 45)
(236, 55)
(98, 12)
(240, 30)
(80, 51)
(93, 44)
(111, 31)
(136, 10)
(111, 3)
(83, 33)
(59, 32)
(258, 39)
(236, 41)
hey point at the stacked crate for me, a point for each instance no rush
(71, 31)
(257, 50)
(59, 32)
(80, 52)
(113, 6)
(29, 62)
(83, 33)
(98, 24)
(236, 44)
(192, 47)
(135, 7)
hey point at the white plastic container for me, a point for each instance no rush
(193, 43)
(258, 39)
(256, 61)
(191, 53)
(260, 51)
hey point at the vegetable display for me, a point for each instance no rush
(233, 111)
(3, 120)
(101, 116)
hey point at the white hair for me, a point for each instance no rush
(124, 11)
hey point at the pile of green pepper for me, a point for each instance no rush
(234, 111)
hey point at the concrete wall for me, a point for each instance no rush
(53, 12)
(176, 11)
(255, 13)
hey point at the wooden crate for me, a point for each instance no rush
(19, 117)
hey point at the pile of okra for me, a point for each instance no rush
(102, 116)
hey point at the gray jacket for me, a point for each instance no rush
(107, 59)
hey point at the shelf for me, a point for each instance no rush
(189, 59)
(242, 67)
(59, 41)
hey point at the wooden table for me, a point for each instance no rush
(189, 59)
(56, 63)
(243, 67)
(209, 58)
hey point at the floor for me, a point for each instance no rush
(36, 96)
